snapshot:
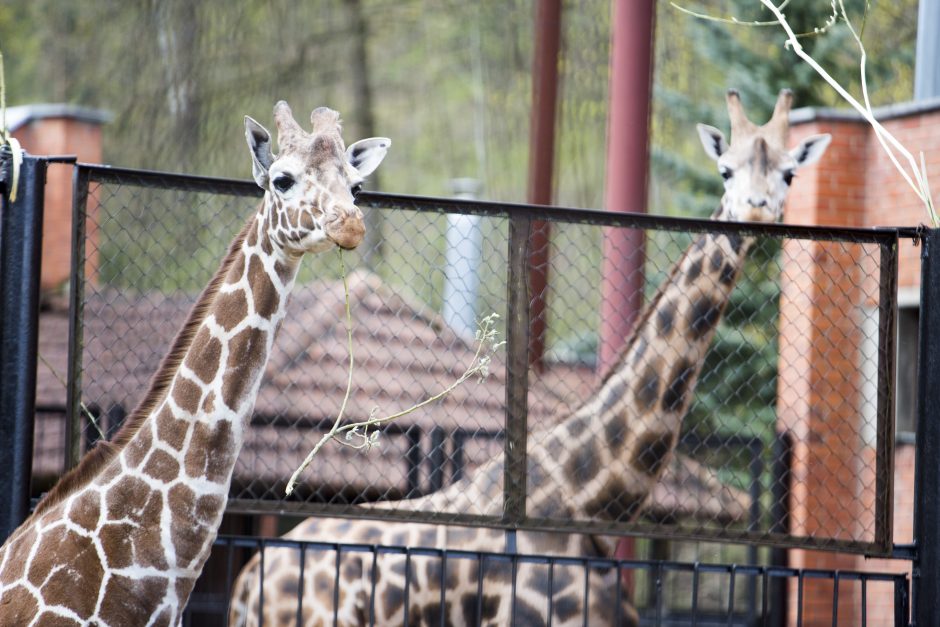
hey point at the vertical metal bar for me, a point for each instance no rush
(587, 591)
(116, 416)
(695, 578)
(733, 574)
(481, 564)
(780, 524)
(229, 568)
(799, 600)
(835, 599)
(517, 375)
(436, 460)
(407, 594)
(887, 352)
(902, 599)
(551, 591)
(765, 598)
(375, 571)
(73, 414)
(336, 582)
(261, 583)
(457, 463)
(514, 565)
(20, 260)
(658, 593)
(926, 566)
(443, 587)
(756, 466)
(300, 586)
(618, 600)
(864, 601)
(413, 461)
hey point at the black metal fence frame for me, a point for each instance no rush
(520, 218)
(20, 240)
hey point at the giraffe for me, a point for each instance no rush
(638, 411)
(121, 539)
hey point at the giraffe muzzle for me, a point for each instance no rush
(347, 232)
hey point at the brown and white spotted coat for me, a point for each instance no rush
(600, 463)
(122, 538)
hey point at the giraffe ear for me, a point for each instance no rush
(811, 149)
(259, 141)
(366, 154)
(713, 140)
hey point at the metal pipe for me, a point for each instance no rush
(631, 71)
(541, 166)
(631, 64)
(926, 567)
(926, 67)
(464, 256)
(20, 260)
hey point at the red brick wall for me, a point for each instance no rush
(60, 136)
(819, 391)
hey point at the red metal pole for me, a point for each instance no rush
(631, 65)
(631, 73)
(541, 165)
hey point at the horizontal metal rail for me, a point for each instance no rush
(240, 187)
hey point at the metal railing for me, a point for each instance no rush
(676, 593)
(106, 194)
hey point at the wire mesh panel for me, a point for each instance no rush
(744, 382)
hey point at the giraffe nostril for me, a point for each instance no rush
(757, 202)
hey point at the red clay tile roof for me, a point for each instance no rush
(404, 352)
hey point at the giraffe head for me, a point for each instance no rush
(311, 184)
(756, 165)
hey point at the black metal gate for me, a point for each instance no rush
(751, 588)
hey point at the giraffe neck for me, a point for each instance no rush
(133, 526)
(200, 422)
(607, 457)
(611, 453)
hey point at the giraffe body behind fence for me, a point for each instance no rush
(601, 463)
(121, 539)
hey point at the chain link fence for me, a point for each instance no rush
(790, 407)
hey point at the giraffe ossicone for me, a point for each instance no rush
(121, 539)
(602, 462)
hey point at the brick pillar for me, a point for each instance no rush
(819, 382)
(59, 130)
(821, 397)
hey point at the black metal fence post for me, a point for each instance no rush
(517, 374)
(926, 571)
(20, 248)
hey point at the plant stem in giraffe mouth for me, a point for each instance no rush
(336, 423)
(487, 344)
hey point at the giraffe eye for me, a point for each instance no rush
(355, 189)
(283, 182)
(726, 173)
(788, 176)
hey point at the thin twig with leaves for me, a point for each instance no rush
(363, 434)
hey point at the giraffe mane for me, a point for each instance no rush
(644, 316)
(104, 451)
